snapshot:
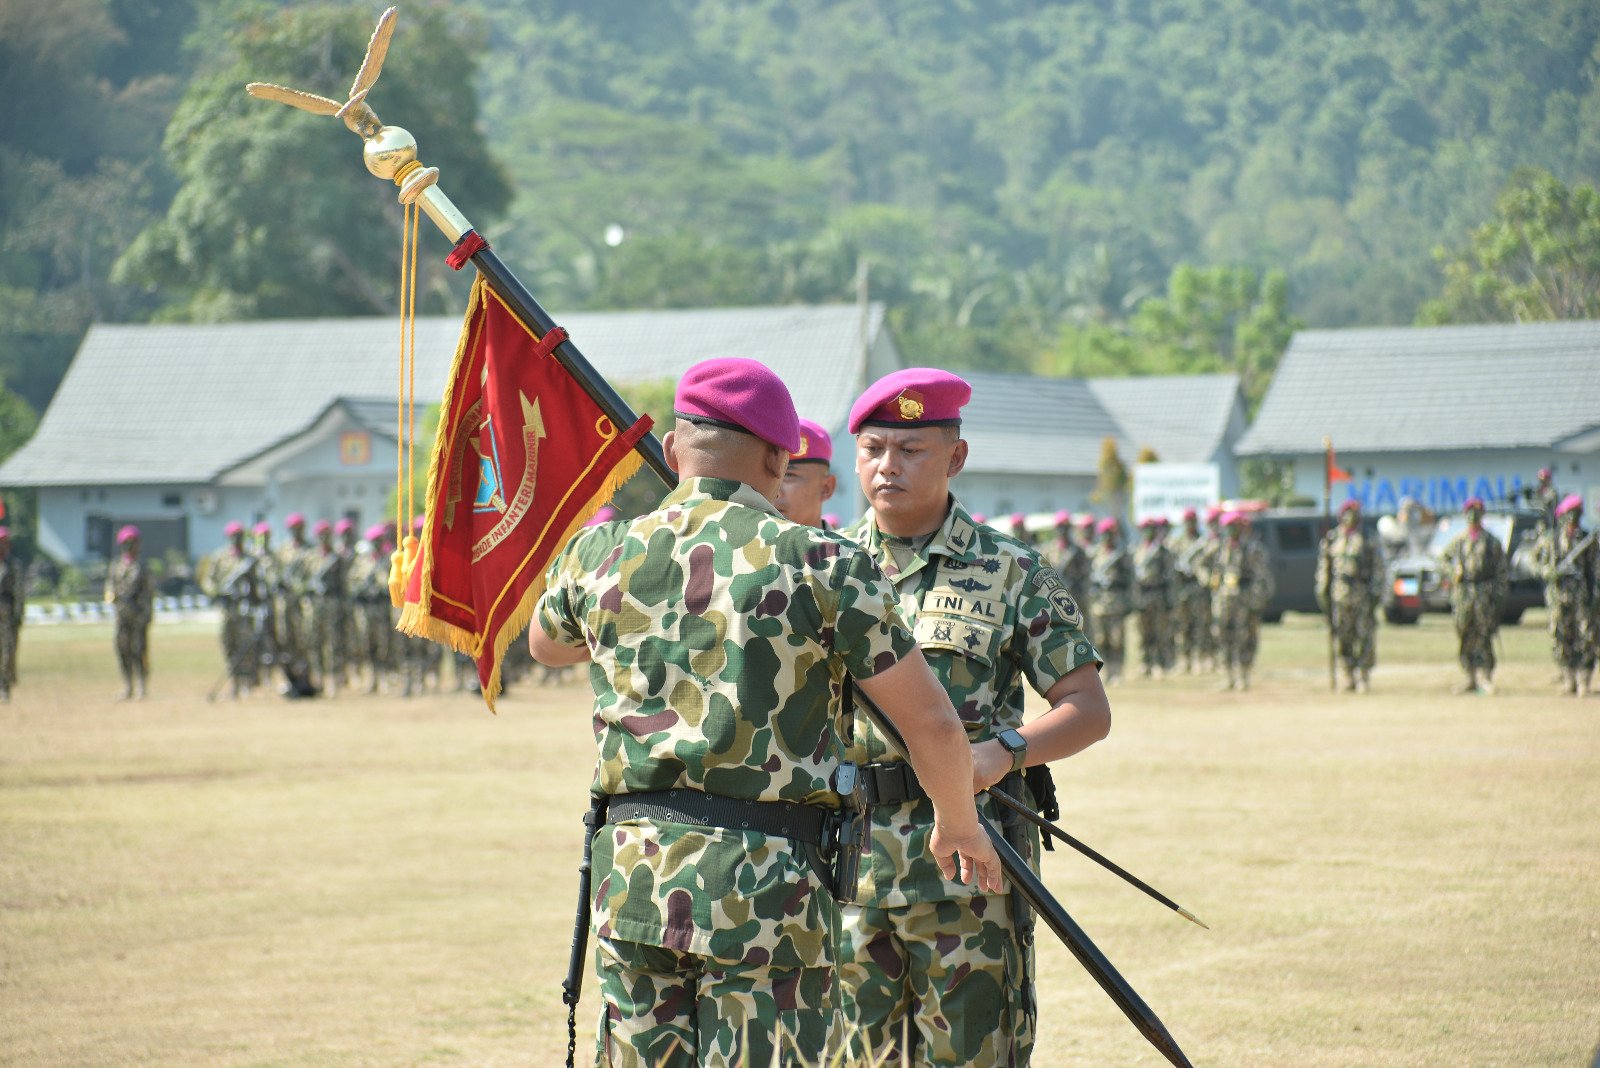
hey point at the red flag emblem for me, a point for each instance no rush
(523, 457)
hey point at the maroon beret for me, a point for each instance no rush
(916, 396)
(739, 394)
(322, 526)
(1473, 502)
(816, 444)
(1572, 502)
(1350, 505)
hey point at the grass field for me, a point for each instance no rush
(1403, 878)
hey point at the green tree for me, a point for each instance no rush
(274, 216)
(88, 87)
(1537, 259)
(1211, 319)
(1111, 484)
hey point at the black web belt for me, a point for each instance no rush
(781, 819)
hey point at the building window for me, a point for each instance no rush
(171, 500)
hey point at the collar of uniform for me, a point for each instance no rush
(957, 536)
(719, 489)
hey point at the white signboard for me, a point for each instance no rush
(1167, 489)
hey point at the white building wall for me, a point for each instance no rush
(1443, 480)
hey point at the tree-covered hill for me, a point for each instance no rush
(1007, 164)
(1115, 184)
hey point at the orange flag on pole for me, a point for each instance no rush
(1335, 472)
(523, 457)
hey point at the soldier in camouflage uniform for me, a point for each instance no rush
(131, 590)
(267, 573)
(324, 570)
(13, 594)
(294, 616)
(809, 480)
(349, 646)
(1111, 594)
(1153, 583)
(1569, 559)
(1546, 498)
(1241, 586)
(1071, 562)
(932, 971)
(1475, 563)
(372, 618)
(1349, 589)
(722, 637)
(1191, 617)
(231, 578)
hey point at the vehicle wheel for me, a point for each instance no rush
(1511, 617)
(1272, 617)
(1398, 616)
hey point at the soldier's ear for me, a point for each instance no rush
(777, 462)
(958, 457)
(669, 449)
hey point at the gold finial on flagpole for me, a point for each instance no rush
(389, 152)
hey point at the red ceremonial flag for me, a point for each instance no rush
(523, 457)
(1335, 472)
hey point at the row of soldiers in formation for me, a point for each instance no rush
(318, 609)
(1196, 595)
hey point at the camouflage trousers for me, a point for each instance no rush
(240, 647)
(325, 638)
(1111, 639)
(133, 645)
(1191, 623)
(1238, 629)
(293, 627)
(1572, 628)
(937, 983)
(8, 658)
(1355, 632)
(663, 1008)
(373, 624)
(1155, 636)
(1477, 618)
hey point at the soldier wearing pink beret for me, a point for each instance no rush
(131, 591)
(809, 480)
(922, 955)
(1568, 558)
(719, 636)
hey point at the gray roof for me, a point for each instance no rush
(181, 403)
(1184, 418)
(1027, 424)
(1530, 385)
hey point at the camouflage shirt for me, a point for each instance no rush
(988, 614)
(1476, 566)
(131, 589)
(1350, 563)
(720, 635)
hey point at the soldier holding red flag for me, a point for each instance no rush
(724, 638)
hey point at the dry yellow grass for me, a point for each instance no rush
(1405, 878)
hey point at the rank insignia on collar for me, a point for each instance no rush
(911, 406)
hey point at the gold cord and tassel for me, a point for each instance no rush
(406, 544)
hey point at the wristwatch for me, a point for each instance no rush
(1016, 745)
